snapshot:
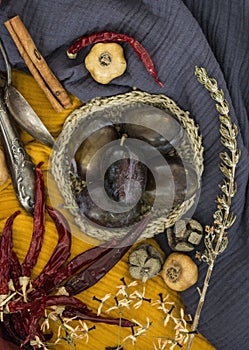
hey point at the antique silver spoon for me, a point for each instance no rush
(19, 163)
(21, 111)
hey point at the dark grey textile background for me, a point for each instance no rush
(179, 35)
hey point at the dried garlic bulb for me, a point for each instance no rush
(179, 272)
(3, 169)
(105, 62)
(145, 262)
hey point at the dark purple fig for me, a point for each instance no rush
(91, 145)
(102, 217)
(114, 185)
(185, 179)
(172, 184)
(153, 126)
(125, 181)
(124, 175)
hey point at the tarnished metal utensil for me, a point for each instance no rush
(21, 110)
(19, 163)
(21, 168)
(25, 116)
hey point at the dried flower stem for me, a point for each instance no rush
(216, 235)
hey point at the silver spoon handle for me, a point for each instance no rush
(20, 165)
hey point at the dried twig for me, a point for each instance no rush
(216, 235)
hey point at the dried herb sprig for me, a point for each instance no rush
(216, 235)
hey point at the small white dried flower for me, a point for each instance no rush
(131, 337)
(174, 344)
(181, 331)
(5, 298)
(38, 343)
(140, 297)
(123, 288)
(45, 324)
(142, 328)
(139, 332)
(160, 345)
(119, 304)
(163, 303)
(84, 328)
(69, 328)
(81, 331)
(49, 316)
(101, 302)
(66, 327)
(59, 309)
(166, 319)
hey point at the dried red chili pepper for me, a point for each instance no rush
(71, 312)
(6, 254)
(18, 305)
(80, 310)
(61, 251)
(93, 273)
(39, 225)
(53, 281)
(26, 311)
(55, 300)
(82, 260)
(35, 314)
(107, 37)
(20, 321)
(73, 306)
(8, 329)
(15, 270)
(18, 327)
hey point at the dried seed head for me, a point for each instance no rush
(105, 62)
(174, 271)
(105, 59)
(179, 272)
(185, 235)
(145, 262)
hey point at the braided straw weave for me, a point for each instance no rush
(60, 163)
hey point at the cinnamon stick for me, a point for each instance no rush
(37, 65)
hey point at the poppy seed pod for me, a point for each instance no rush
(179, 272)
(105, 62)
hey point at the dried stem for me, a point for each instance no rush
(216, 236)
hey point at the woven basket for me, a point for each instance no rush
(61, 160)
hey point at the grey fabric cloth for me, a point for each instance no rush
(178, 35)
